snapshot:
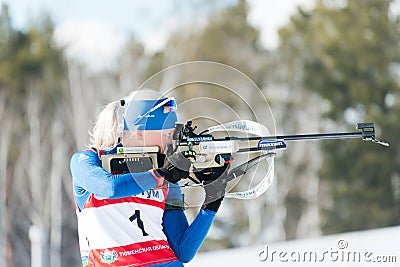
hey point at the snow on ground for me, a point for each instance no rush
(371, 248)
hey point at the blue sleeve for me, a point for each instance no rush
(89, 177)
(186, 240)
(174, 192)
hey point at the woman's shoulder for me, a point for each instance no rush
(84, 155)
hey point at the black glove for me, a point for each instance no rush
(215, 193)
(176, 167)
(208, 175)
(214, 185)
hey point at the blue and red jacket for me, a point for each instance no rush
(122, 219)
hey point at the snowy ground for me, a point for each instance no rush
(378, 247)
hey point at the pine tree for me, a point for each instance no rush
(350, 55)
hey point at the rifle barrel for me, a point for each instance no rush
(298, 136)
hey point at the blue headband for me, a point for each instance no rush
(150, 114)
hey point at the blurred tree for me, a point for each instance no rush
(33, 91)
(226, 38)
(7, 121)
(350, 55)
(296, 110)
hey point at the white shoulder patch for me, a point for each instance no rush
(82, 157)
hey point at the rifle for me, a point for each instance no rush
(224, 147)
(211, 154)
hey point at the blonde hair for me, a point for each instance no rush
(105, 131)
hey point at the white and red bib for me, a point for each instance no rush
(124, 231)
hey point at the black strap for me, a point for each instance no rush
(174, 204)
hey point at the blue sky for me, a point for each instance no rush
(142, 17)
(93, 27)
(137, 16)
(100, 27)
